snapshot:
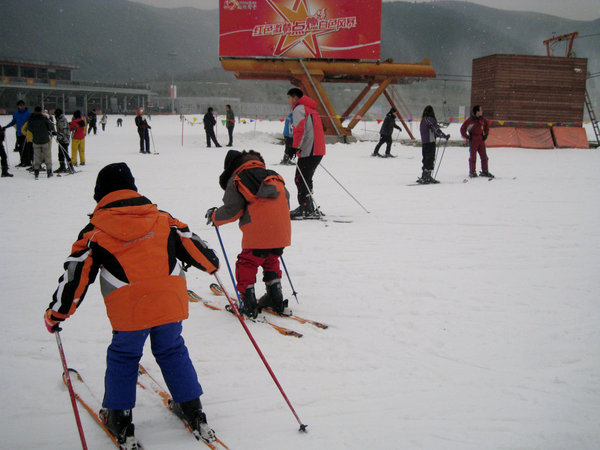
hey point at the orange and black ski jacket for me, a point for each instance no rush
(258, 198)
(136, 248)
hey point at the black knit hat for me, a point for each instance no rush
(114, 177)
(230, 157)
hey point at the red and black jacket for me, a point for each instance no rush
(136, 248)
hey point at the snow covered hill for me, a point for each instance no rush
(462, 315)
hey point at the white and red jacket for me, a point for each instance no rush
(309, 137)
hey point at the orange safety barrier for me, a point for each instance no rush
(570, 137)
(502, 137)
(535, 138)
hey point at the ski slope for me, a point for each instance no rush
(462, 315)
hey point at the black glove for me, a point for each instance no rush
(54, 133)
(447, 136)
(485, 137)
(208, 215)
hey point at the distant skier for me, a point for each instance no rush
(476, 129)
(258, 198)
(429, 131)
(309, 145)
(93, 119)
(209, 128)
(142, 128)
(288, 137)
(386, 132)
(104, 121)
(136, 248)
(41, 129)
(63, 138)
(229, 123)
(119, 122)
(77, 127)
(20, 116)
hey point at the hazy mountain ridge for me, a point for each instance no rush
(121, 41)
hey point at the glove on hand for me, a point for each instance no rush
(447, 136)
(485, 137)
(51, 324)
(209, 214)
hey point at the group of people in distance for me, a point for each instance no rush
(475, 130)
(34, 132)
(210, 122)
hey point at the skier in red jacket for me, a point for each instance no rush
(476, 129)
(309, 145)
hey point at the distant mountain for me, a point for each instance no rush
(119, 40)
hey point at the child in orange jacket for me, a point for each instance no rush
(136, 248)
(257, 197)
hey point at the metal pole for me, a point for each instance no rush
(241, 320)
(70, 388)
(346, 190)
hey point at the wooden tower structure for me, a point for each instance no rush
(310, 75)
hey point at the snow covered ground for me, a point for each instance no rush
(462, 315)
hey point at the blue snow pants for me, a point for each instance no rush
(171, 354)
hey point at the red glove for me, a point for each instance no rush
(51, 324)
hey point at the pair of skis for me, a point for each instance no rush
(89, 401)
(216, 289)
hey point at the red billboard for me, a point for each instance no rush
(336, 29)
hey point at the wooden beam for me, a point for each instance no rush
(389, 99)
(356, 101)
(369, 102)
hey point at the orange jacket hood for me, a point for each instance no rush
(125, 215)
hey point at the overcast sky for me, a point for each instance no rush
(571, 9)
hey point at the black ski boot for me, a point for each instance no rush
(71, 169)
(61, 169)
(192, 413)
(485, 173)
(249, 305)
(5, 172)
(298, 213)
(430, 179)
(36, 173)
(49, 172)
(119, 423)
(473, 175)
(273, 298)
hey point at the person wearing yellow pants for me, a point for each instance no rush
(77, 127)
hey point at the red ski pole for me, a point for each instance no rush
(241, 319)
(70, 387)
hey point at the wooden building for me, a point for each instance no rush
(530, 89)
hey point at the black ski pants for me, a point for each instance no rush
(428, 150)
(306, 167)
(387, 140)
(144, 140)
(210, 136)
(3, 157)
(230, 132)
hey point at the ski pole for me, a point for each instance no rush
(294, 293)
(441, 157)
(346, 190)
(153, 144)
(70, 388)
(310, 193)
(247, 330)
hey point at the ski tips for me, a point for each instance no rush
(303, 428)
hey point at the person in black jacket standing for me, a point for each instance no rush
(93, 119)
(142, 126)
(387, 128)
(41, 129)
(209, 127)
